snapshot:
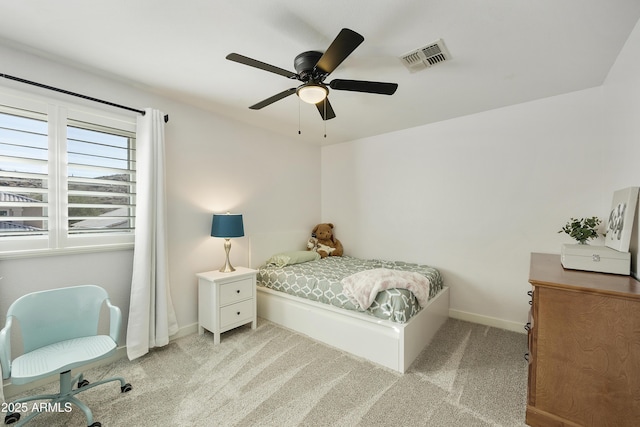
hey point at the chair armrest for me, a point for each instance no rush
(115, 321)
(5, 349)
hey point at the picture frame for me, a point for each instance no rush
(620, 219)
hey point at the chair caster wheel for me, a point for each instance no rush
(125, 388)
(12, 418)
(96, 424)
(83, 383)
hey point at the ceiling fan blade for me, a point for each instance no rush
(364, 86)
(341, 47)
(330, 114)
(273, 99)
(261, 65)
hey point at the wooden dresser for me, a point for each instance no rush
(584, 347)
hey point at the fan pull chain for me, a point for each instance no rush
(299, 117)
(325, 117)
(324, 105)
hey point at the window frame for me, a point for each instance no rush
(58, 241)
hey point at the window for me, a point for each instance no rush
(100, 177)
(67, 177)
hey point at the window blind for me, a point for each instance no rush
(24, 178)
(100, 179)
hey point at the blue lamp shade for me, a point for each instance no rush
(227, 226)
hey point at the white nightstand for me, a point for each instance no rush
(226, 300)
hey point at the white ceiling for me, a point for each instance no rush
(503, 52)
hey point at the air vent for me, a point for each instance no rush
(426, 56)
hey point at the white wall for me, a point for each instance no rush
(474, 196)
(219, 166)
(622, 136)
(214, 165)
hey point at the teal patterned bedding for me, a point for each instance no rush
(320, 281)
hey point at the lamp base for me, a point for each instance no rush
(227, 267)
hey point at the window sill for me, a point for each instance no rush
(38, 253)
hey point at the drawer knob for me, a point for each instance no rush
(527, 327)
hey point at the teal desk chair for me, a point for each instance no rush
(59, 330)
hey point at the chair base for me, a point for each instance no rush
(63, 400)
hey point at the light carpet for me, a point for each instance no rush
(470, 375)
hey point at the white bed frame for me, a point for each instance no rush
(390, 344)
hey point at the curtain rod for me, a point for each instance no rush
(55, 89)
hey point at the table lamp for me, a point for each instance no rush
(227, 226)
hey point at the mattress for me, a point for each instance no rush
(320, 281)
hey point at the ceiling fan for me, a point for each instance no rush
(312, 68)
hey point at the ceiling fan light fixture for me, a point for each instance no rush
(312, 68)
(312, 93)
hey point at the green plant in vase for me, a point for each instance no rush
(582, 229)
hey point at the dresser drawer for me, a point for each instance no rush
(236, 291)
(236, 313)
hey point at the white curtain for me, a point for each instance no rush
(152, 318)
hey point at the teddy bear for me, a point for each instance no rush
(324, 242)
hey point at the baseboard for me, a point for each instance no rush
(11, 390)
(184, 331)
(487, 320)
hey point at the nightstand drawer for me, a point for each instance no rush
(236, 291)
(235, 313)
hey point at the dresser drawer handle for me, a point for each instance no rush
(527, 327)
(530, 293)
(526, 356)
